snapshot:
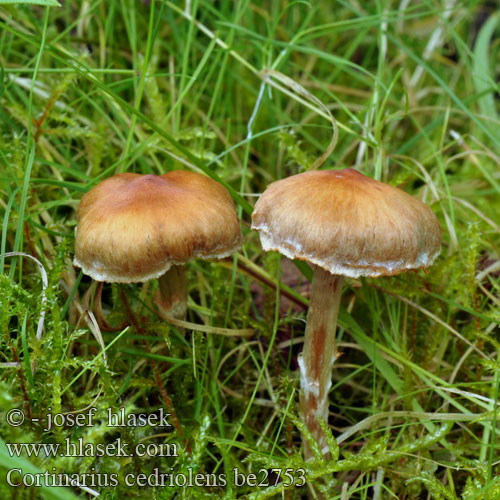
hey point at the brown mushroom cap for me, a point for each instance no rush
(134, 227)
(347, 224)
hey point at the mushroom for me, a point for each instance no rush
(133, 228)
(344, 224)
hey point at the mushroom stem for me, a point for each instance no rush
(319, 354)
(173, 294)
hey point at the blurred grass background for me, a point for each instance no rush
(92, 88)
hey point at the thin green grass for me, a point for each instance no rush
(89, 90)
